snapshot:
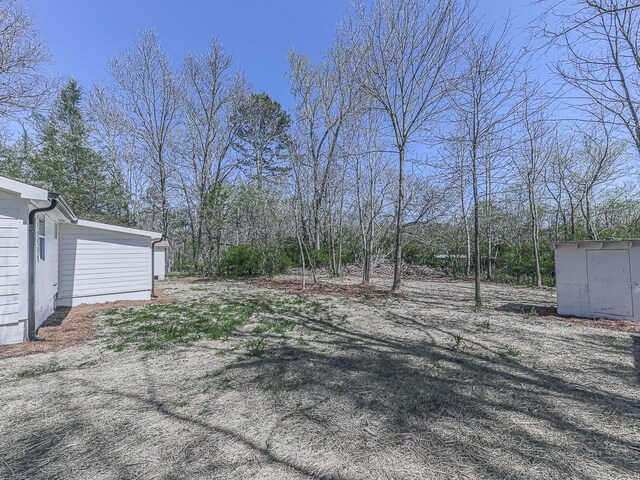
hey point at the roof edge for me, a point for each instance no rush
(26, 191)
(63, 207)
(117, 228)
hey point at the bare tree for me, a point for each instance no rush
(407, 53)
(371, 181)
(532, 160)
(144, 85)
(22, 54)
(209, 94)
(324, 99)
(111, 136)
(601, 42)
(601, 164)
(486, 101)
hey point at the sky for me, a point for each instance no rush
(82, 35)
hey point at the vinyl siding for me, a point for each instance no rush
(95, 262)
(13, 273)
(10, 275)
(46, 272)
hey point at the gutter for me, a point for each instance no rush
(31, 315)
(153, 265)
(63, 207)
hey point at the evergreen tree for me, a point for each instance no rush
(262, 135)
(66, 163)
(16, 159)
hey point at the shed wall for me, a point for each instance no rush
(610, 279)
(98, 265)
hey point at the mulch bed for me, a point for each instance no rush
(68, 327)
(356, 290)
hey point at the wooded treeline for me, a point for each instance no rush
(422, 136)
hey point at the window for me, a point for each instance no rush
(41, 238)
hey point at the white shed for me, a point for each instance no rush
(50, 258)
(598, 279)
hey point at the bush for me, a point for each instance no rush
(240, 261)
(247, 261)
(274, 261)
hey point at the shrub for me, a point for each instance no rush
(247, 261)
(240, 261)
(274, 261)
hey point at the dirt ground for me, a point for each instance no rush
(418, 386)
(69, 327)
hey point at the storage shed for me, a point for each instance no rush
(598, 279)
(50, 258)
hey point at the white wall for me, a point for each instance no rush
(46, 287)
(13, 271)
(159, 259)
(98, 265)
(598, 279)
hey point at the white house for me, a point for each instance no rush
(598, 279)
(50, 258)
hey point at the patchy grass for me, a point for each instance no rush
(341, 387)
(512, 351)
(41, 370)
(256, 347)
(156, 326)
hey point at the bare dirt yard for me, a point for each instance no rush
(253, 380)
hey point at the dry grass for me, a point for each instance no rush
(416, 387)
(70, 327)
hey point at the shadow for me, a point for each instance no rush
(57, 317)
(636, 355)
(365, 393)
(524, 308)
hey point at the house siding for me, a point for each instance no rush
(46, 287)
(99, 265)
(159, 261)
(13, 277)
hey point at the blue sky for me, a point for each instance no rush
(82, 35)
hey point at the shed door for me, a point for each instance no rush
(609, 277)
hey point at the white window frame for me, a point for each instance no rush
(42, 238)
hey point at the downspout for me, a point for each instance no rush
(31, 315)
(153, 265)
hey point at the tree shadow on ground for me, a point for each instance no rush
(636, 355)
(529, 309)
(459, 410)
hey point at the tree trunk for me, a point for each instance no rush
(476, 227)
(533, 210)
(397, 257)
(489, 222)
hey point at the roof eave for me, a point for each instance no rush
(63, 207)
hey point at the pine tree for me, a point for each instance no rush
(66, 163)
(16, 158)
(262, 135)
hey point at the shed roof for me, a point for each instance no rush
(626, 243)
